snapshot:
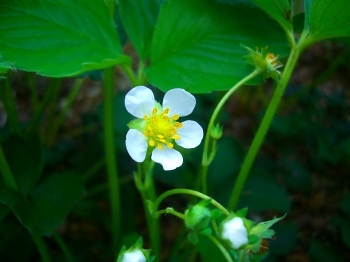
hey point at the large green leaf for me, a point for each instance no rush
(196, 44)
(47, 207)
(264, 194)
(328, 19)
(139, 18)
(25, 159)
(4, 66)
(58, 37)
(279, 10)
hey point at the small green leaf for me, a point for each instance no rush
(58, 38)
(278, 9)
(328, 19)
(216, 213)
(192, 238)
(139, 18)
(53, 199)
(196, 44)
(286, 238)
(25, 158)
(264, 194)
(46, 209)
(264, 226)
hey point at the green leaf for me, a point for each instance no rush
(286, 239)
(4, 66)
(196, 44)
(58, 38)
(46, 209)
(25, 158)
(264, 194)
(260, 228)
(278, 9)
(139, 18)
(328, 19)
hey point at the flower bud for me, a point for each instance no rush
(216, 132)
(235, 232)
(267, 63)
(197, 217)
(135, 253)
(134, 256)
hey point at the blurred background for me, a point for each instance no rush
(302, 168)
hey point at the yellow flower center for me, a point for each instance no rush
(161, 129)
(270, 58)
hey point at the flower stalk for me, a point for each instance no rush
(263, 128)
(208, 155)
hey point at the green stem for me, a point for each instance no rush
(6, 171)
(223, 250)
(11, 183)
(188, 192)
(264, 126)
(206, 159)
(63, 246)
(50, 93)
(141, 76)
(169, 210)
(111, 159)
(175, 213)
(130, 74)
(148, 192)
(70, 99)
(34, 92)
(52, 104)
(40, 244)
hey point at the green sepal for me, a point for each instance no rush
(139, 243)
(259, 61)
(252, 239)
(242, 212)
(216, 213)
(262, 227)
(192, 238)
(138, 124)
(197, 217)
(206, 231)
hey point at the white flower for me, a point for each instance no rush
(157, 126)
(134, 256)
(235, 231)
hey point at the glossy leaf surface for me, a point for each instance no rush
(58, 38)
(196, 44)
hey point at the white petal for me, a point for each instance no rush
(136, 144)
(139, 101)
(169, 158)
(134, 256)
(235, 231)
(191, 134)
(179, 102)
